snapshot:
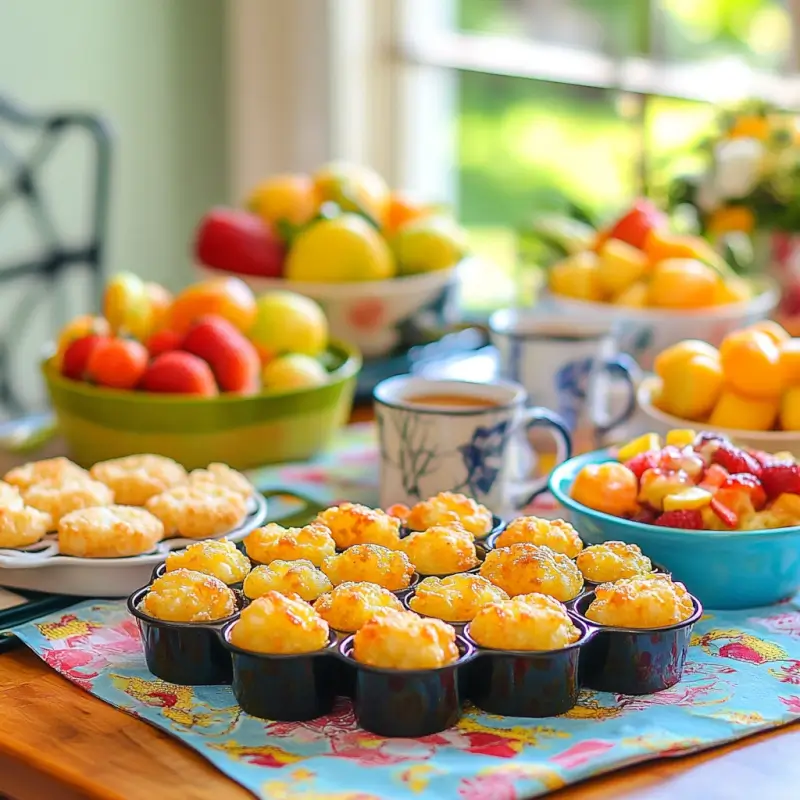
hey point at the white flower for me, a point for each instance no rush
(737, 167)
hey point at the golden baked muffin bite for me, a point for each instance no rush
(371, 563)
(272, 543)
(644, 601)
(59, 498)
(217, 557)
(223, 475)
(275, 624)
(199, 511)
(456, 598)
(351, 605)
(556, 534)
(526, 568)
(22, 525)
(50, 469)
(10, 496)
(287, 577)
(447, 508)
(135, 479)
(441, 550)
(351, 523)
(526, 622)
(603, 563)
(402, 640)
(108, 532)
(188, 596)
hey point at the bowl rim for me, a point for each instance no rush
(568, 469)
(643, 397)
(346, 370)
(765, 300)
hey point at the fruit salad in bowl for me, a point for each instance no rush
(720, 517)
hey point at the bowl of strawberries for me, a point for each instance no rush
(211, 374)
(721, 518)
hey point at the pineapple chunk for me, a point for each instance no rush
(681, 437)
(641, 444)
(687, 500)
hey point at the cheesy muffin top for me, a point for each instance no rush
(556, 534)
(370, 563)
(603, 563)
(447, 508)
(402, 640)
(526, 622)
(299, 578)
(528, 568)
(441, 550)
(351, 605)
(644, 601)
(456, 598)
(217, 557)
(187, 596)
(351, 523)
(274, 543)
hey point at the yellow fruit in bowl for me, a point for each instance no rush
(286, 322)
(620, 265)
(751, 363)
(340, 250)
(776, 332)
(577, 276)
(789, 354)
(680, 353)
(735, 412)
(732, 290)
(428, 245)
(126, 305)
(353, 187)
(293, 371)
(285, 198)
(691, 388)
(635, 296)
(790, 409)
(682, 283)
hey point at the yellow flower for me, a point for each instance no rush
(730, 219)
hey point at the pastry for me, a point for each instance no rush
(603, 563)
(21, 525)
(556, 534)
(350, 523)
(52, 469)
(199, 511)
(223, 475)
(187, 596)
(351, 605)
(58, 498)
(456, 598)
(217, 557)
(447, 508)
(441, 550)
(272, 542)
(371, 563)
(135, 479)
(108, 532)
(299, 578)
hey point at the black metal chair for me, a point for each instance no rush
(56, 252)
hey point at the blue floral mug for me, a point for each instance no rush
(457, 436)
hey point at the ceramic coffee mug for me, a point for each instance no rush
(566, 365)
(439, 435)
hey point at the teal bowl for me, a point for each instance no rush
(724, 570)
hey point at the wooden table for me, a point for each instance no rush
(57, 741)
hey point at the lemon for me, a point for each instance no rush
(353, 187)
(428, 245)
(340, 250)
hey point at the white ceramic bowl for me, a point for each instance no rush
(644, 333)
(367, 314)
(661, 422)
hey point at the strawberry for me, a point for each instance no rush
(714, 477)
(686, 519)
(645, 515)
(163, 342)
(634, 226)
(750, 485)
(237, 241)
(638, 465)
(76, 357)
(176, 372)
(723, 513)
(735, 460)
(781, 477)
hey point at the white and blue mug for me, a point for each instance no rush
(573, 367)
(457, 436)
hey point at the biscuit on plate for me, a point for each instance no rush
(198, 511)
(187, 596)
(10, 496)
(108, 532)
(351, 523)
(274, 543)
(223, 475)
(50, 469)
(217, 557)
(371, 563)
(287, 577)
(58, 498)
(22, 525)
(351, 605)
(135, 479)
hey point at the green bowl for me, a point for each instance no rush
(244, 432)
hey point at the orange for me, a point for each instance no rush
(229, 297)
(682, 283)
(402, 209)
(285, 198)
(117, 363)
(691, 388)
(790, 409)
(733, 411)
(635, 296)
(732, 290)
(730, 219)
(776, 332)
(160, 304)
(660, 245)
(751, 363)
(789, 351)
(610, 487)
(577, 276)
(680, 353)
(751, 127)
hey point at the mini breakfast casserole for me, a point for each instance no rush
(51, 469)
(217, 557)
(371, 563)
(351, 605)
(287, 577)
(135, 479)
(603, 563)
(22, 525)
(59, 498)
(350, 523)
(272, 543)
(644, 601)
(456, 598)
(526, 622)
(275, 624)
(108, 532)
(222, 475)
(402, 640)
(556, 534)
(447, 508)
(441, 550)
(198, 511)
(187, 596)
(528, 568)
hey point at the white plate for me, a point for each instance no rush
(41, 568)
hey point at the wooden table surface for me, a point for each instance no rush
(57, 741)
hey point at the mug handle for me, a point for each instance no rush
(624, 368)
(538, 417)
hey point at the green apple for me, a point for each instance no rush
(294, 371)
(287, 322)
